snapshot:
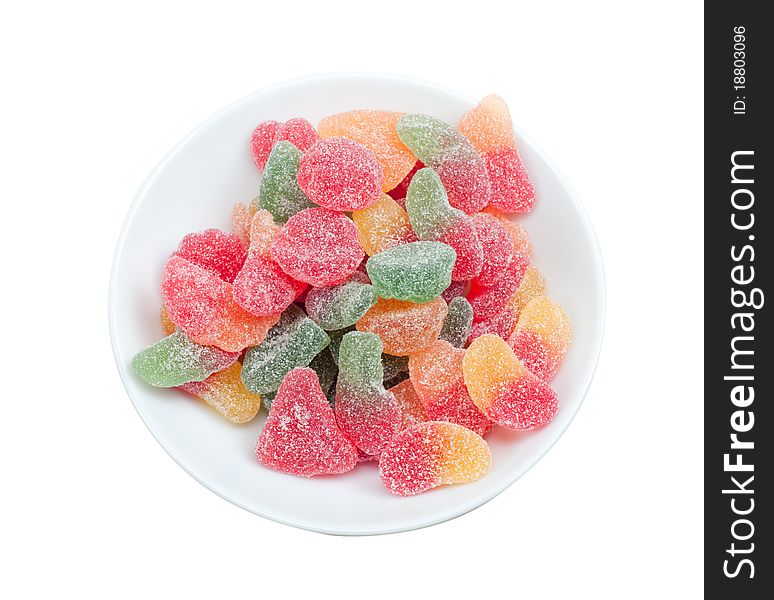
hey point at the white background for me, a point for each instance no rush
(95, 93)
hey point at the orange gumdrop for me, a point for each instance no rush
(167, 326)
(404, 327)
(383, 225)
(240, 222)
(488, 126)
(377, 131)
(411, 408)
(261, 232)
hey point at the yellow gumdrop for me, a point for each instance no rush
(488, 126)
(262, 232)
(383, 225)
(377, 131)
(489, 368)
(546, 318)
(532, 285)
(226, 393)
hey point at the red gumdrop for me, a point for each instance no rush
(461, 235)
(502, 324)
(340, 174)
(263, 288)
(398, 193)
(456, 406)
(194, 297)
(298, 132)
(487, 301)
(496, 244)
(318, 246)
(262, 141)
(466, 181)
(535, 355)
(512, 189)
(300, 436)
(215, 250)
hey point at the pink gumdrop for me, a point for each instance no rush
(318, 246)
(300, 436)
(215, 250)
(340, 174)
(194, 297)
(298, 132)
(466, 181)
(262, 141)
(497, 247)
(263, 288)
(487, 301)
(512, 189)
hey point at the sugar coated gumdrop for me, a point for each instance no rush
(541, 337)
(300, 436)
(175, 360)
(399, 192)
(326, 369)
(261, 232)
(240, 222)
(167, 326)
(293, 342)
(503, 389)
(404, 327)
(318, 246)
(411, 408)
(430, 454)
(437, 375)
(532, 285)
(225, 392)
(418, 271)
(497, 247)
(203, 306)
(458, 322)
(383, 225)
(215, 250)
(339, 306)
(340, 174)
(279, 192)
(441, 147)
(263, 288)
(368, 414)
(262, 140)
(298, 132)
(376, 130)
(489, 128)
(432, 218)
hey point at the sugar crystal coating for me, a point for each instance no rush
(225, 392)
(441, 147)
(432, 218)
(458, 322)
(339, 306)
(404, 327)
(437, 376)
(318, 246)
(326, 370)
(175, 360)
(455, 289)
(368, 414)
(261, 232)
(279, 192)
(263, 288)
(503, 389)
(293, 342)
(340, 174)
(383, 225)
(262, 141)
(418, 271)
(411, 408)
(301, 436)
(240, 222)
(541, 337)
(430, 454)
(217, 251)
(497, 246)
(488, 125)
(297, 131)
(202, 305)
(376, 130)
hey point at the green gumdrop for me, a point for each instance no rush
(360, 361)
(326, 371)
(279, 192)
(417, 272)
(339, 306)
(429, 138)
(458, 322)
(427, 205)
(336, 337)
(394, 366)
(293, 342)
(175, 360)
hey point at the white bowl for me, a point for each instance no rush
(194, 188)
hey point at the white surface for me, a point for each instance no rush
(194, 188)
(96, 95)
